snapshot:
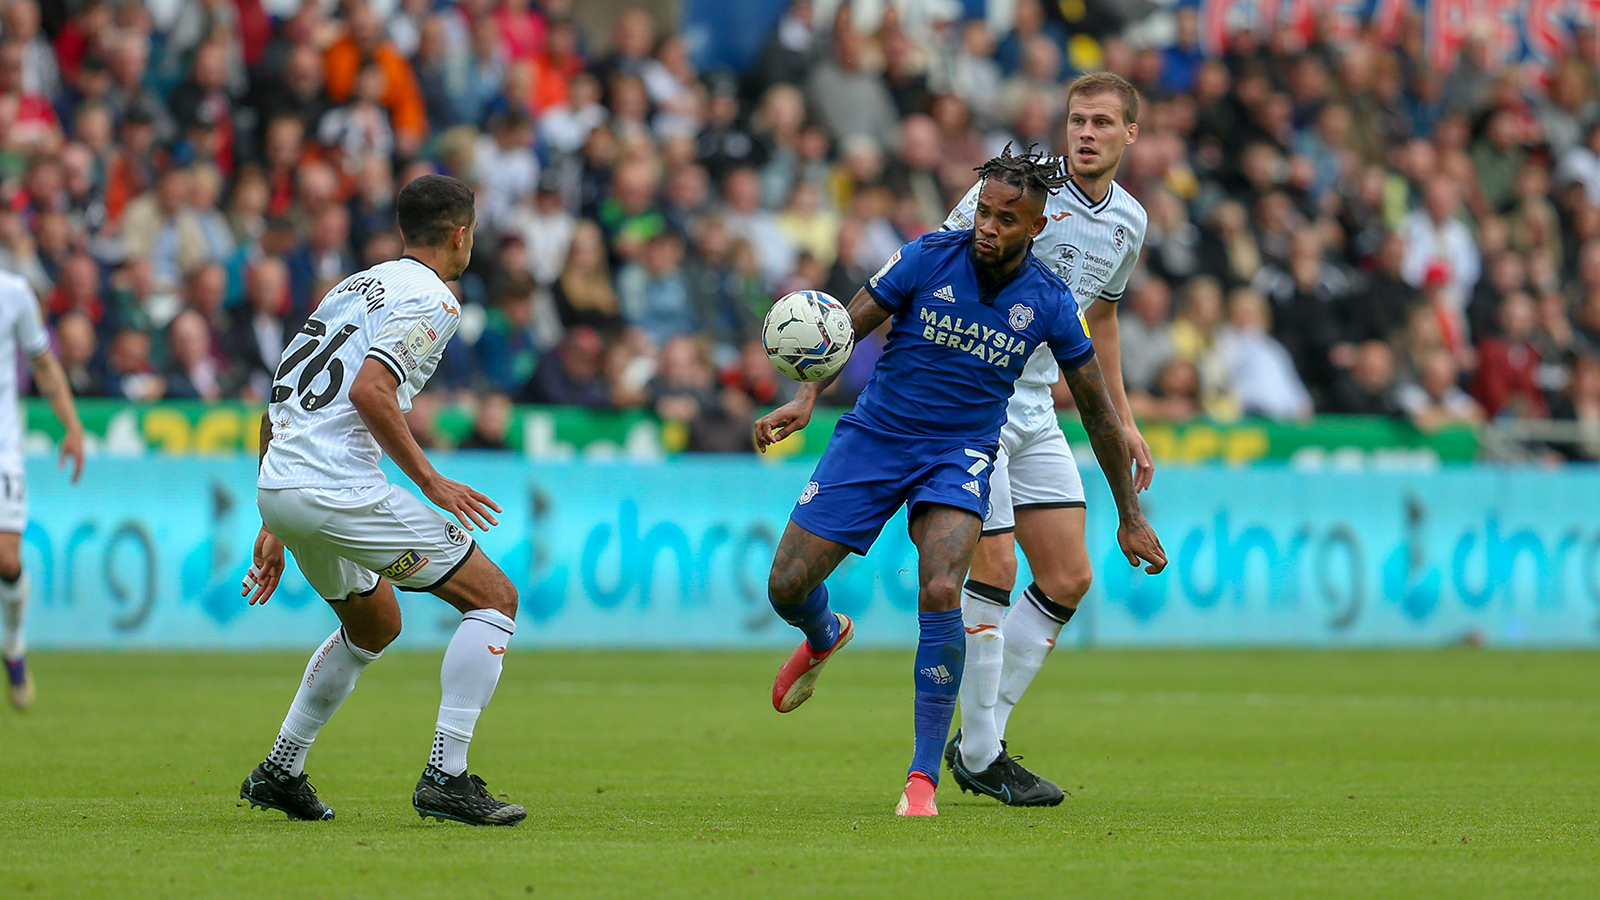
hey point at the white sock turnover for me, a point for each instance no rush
(330, 676)
(467, 679)
(1030, 634)
(983, 607)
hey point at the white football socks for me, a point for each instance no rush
(13, 609)
(983, 607)
(467, 679)
(330, 676)
(1030, 634)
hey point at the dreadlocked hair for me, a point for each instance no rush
(1032, 173)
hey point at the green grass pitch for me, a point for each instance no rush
(1447, 773)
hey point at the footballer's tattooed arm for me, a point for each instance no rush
(1137, 539)
(866, 314)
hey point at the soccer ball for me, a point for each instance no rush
(808, 335)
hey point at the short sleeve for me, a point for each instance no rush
(961, 218)
(896, 283)
(31, 337)
(1069, 336)
(1118, 284)
(415, 331)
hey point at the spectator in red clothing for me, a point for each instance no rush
(77, 36)
(522, 29)
(1508, 365)
(77, 289)
(33, 123)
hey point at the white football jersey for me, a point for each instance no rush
(22, 337)
(1092, 246)
(398, 313)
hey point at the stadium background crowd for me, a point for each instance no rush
(1332, 229)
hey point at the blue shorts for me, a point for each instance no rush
(865, 475)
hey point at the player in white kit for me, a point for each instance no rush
(338, 402)
(1092, 237)
(22, 334)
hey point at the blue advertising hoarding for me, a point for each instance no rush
(149, 552)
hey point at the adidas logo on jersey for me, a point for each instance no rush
(937, 674)
(946, 293)
(973, 488)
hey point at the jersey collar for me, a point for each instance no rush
(1096, 208)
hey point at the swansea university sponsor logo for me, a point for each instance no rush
(937, 674)
(405, 565)
(1020, 317)
(991, 345)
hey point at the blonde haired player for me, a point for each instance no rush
(1092, 237)
(22, 332)
(337, 406)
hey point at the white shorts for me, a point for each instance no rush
(13, 497)
(1033, 470)
(344, 538)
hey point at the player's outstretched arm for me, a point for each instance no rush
(866, 315)
(52, 383)
(373, 395)
(1103, 331)
(1137, 539)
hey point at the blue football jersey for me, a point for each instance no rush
(955, 350)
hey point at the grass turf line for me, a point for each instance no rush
(1226, 774)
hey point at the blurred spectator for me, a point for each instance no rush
(546, 229)
(506, 168)
(423, 418)
(1259, 368)
(324, 256)
(742, 215)
(1435, 400)
(1146, 335)
(1368, 387)
(1174, 396)
(850, 98)
(1506, 382)
(491, 425)
(75, 345)
(130, 374)
(364, 44)
(360, 127)
(1028, 22)
(257, 331)
(1439, 245)
(791, 52)
(192, 372)
(685, 392)
(573, 375)
(1580, 405)
(508, 349)
(583, 294)
(654, 293)
(971, 72)
(33, 124)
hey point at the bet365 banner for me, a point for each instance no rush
(1540, 31)
(150, 552)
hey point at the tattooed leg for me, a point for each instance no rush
(800, 564)
(945, 537)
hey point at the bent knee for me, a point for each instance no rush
(995, 562)
(500, 597)
(941, 591)
(1067, 588)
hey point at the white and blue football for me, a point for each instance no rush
(808, 335)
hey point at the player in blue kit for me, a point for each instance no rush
(968, 308)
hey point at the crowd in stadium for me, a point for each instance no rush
(1332, 230)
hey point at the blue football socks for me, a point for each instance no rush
(813, 617)
(941, 655)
